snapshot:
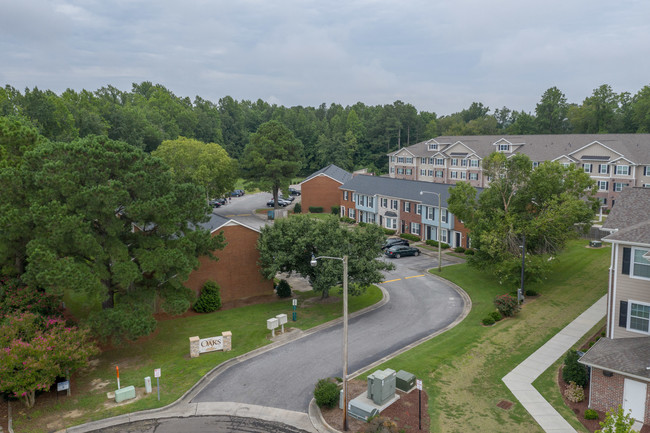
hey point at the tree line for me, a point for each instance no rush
(351, 137)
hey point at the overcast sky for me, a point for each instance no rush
(437, 55)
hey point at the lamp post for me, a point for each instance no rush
(439, 227)
(520, 294)
(344, 259)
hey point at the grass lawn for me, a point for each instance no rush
(168, 349)
(462, 368)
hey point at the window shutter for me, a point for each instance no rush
(607, 168)
(627, 252)
(622, 317)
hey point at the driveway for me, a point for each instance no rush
(284, 378)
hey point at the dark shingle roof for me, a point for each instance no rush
(399, 188)
(214, 222)
(624, 355)
(630, 217)
(333, 171)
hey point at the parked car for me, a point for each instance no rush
(215, 203)
(391, 242)
(401, 250)
(238, 193)
(222, 201)
(281, 203)
(294, 191)
(290, 199)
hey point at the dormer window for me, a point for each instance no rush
(504, 148)
(433, 146)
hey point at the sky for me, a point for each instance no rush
(439, 56)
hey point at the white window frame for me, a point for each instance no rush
(473, 176)
(454, 174)
(618, 186)
(433, 146)
(345, 195)
(587, 167)
(623, 170)
(392, 169)
(384, 202)
(445, 215)
(431, 213)
(400, 171)
(415, 228)
(630, 306)
(390, 223)
(634, 263)
(440, 161)
(463, 175)
(423, 172)
(454, 162)
(418, 209)
(603, 185)
(430, 173)
(342, 211)
(400, 160)
(394, 204)
(463, 163)
(473, 162)
(444, 236)
(504, 148)
(351, 213)
(407, 206)
(408, 171)
(409, 160)
(602, 168)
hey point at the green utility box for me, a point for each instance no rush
(381, 386)
(126, 393)
(404, 381)
(595, 244)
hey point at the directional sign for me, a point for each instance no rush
(418, 384)
(62, 386)
(156, 372)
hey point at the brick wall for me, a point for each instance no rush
(464, 232)
(607, 392)
(236, 271)
(320, 191)
(408, 217)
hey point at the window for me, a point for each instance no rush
(400, 171)
(438, 173)
(433, 146)
(565, 164)
(504, 148)
(640, 264)
(371, 202)
(400, 159)
(431, 173)
(603, 168)
(454, 175)
(418, 209)
(392, 159)
(390, 223)
(445, 216)
(345, 195)
(463, 175)
(618, 187)
(384, 202)
(407, 206)
(392, 169)
(342, 211)
(440, 161)
(603, 185)
(444, 235)
(646, 170)
(463, 163)
(623, 170)
(535, 164)
(423, 172)
(473, 176)
(351, 213)
(587, 168)
(454, 162)
(393, 204)
(415, 228)
(409, 171)
(430, 213)
(639, 317)
(473, 162)
(423, 160)
(409, 160)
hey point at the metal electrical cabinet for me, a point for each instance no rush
(405, 381)
(381, 386)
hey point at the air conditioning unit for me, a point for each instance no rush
(381, 386)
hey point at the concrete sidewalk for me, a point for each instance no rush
(520, 379)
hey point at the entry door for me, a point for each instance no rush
(457, 240)
(634, 395)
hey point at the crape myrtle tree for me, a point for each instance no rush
(287, 246)
(272, 158)
(106, 219)
(544, 204)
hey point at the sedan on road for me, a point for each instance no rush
(281, 203)
(401, 250)
(391, 242)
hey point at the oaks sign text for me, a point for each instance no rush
(210, 344)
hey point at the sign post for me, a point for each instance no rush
(295, 314)
(156, 374)
(117, 369)
(418, 384)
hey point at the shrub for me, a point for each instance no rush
(573, 371)
(488, 320)
(336, 210)
(18, 297)
(507, 305)
(348, 220)
(459, 250)
(574, 393)
(283, 289)
(380, 424)
(297, 208)
(315, 209)
(531, 293)
(389, 232)
(362, 224)
(496, 316)
(591, 414)
(410, 237)
(326, 393)
(469, 252)
(209, 299)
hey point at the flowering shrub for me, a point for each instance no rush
(507, 305)
(17, 297)
(574, 393)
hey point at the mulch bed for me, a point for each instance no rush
(404, 412)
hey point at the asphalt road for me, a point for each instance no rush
(242, 208)
(285, 377)
(202, 424)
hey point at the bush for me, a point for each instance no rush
(410, 237)
(531, 293)
(573, 371)
(315, 209)
(326, 393)
(209, 299)
(469, 252)
(507, 305)
(18, 297)
(496, 316)
(297, 208)
(574, 393)
(348, 220)
(336, 210)
(362, 224)
(284, 289)
(433, 243)
(488, 320)
(591, 414)
(459, 250)
(389, 232)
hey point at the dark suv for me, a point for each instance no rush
(391, 242)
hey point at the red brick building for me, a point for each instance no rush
(321, 189)
(236, 271)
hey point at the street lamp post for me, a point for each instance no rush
(439, 227)
(344, 259)
(520, 294)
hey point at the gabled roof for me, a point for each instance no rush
(332, 171)
(628, 356)
(630, 217)
(399, 189)
(217, 221)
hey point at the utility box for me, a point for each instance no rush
(404, 381)
(595, 244)
(272, 323)
(361, 411)
(147, 384)
(282, 318)
(381, 386)
(125, 393)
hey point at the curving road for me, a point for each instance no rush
(284, 378)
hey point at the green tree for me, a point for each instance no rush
(617, 421)
(641, 109)
(288, 244)
(107, 219)
(204, 164)
(552, 112)
(272, 158)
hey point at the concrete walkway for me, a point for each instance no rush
(520, 380)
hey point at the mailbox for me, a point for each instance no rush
(272, 323)
(282, 319)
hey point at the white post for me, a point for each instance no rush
(345, 343)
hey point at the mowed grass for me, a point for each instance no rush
(168, 349)
(462, 368)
